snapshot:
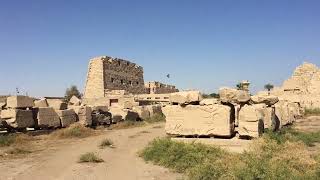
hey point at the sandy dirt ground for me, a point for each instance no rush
(59, 161)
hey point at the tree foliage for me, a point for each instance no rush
(72, 91)
(268, 86)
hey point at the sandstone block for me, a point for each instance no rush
(57, 104)
(67, 117)
(47, 117)
(267, 99)
(142, 111)
(75, 101)
(100, 108)
(229, 95)
(154, 109)
(19, 102)
(84, 115)
(41, 103)
(199, 120)
(209, 101)
(17, 118)
(283, 113)
(101, 118)
(251, 120)
(185, 97)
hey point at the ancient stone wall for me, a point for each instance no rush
(155, 87)
(106, 74)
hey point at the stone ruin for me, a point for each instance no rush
(236, 112)
(303, 87)
(156, 87)
(22, 112)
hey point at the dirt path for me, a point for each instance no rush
(121, 162)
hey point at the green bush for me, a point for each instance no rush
(289, 134)
(312, 111)
(7, 140)
(266, 159)
(90, 158)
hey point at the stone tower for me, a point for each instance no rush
(107, 73)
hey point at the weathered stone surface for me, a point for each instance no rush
(209, 101)
(185, 97)
(101, 118)
(107, 73)
(303, 87)
(229, 95)
(67, 117)
(142, 111)
(47, 117)
(57, 104)
(41, 103)
(17, 118)
(2, 104)
(251, 120)
(84, 115)
(283, 113)
(211, 120)
(267, 99)
(75, 101)
(19, 102)
(100, 108)
(154, 109)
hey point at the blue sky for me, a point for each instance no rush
(45, 45)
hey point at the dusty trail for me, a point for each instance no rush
(121, 162)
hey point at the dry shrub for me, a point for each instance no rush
(90, 158)
(73, 131)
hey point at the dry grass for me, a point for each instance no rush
(312, 112)
(266, 159)
(127, 124)
(90, 158)
(74, 131)
(106, 143)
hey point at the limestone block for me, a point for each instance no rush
(57, 104)
(19, 102)
(154, 109)
(283, 113)
(230, 95)
(67, 117)
(196, 120)
(209, 101)
(84, 115)
(47, 117)
(2, 104)
(185, 97)
(75, 101)
(267, 99)
(118, 114)
(100, 108)
(41, 103)
(17, 118)
(251, 120)
(142, 111)
(101, 118)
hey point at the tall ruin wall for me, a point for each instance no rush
(107, 74)
(155, 87)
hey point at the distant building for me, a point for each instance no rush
(106, 74)
(155, 87)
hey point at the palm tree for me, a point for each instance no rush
(268, 87)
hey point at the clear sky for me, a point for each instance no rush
(45, 45)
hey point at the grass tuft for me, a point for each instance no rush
(106, 143)
(90, 158)
(17, 151)
(7, 140)
(290, 134)
(312, 111)
(73, 131)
